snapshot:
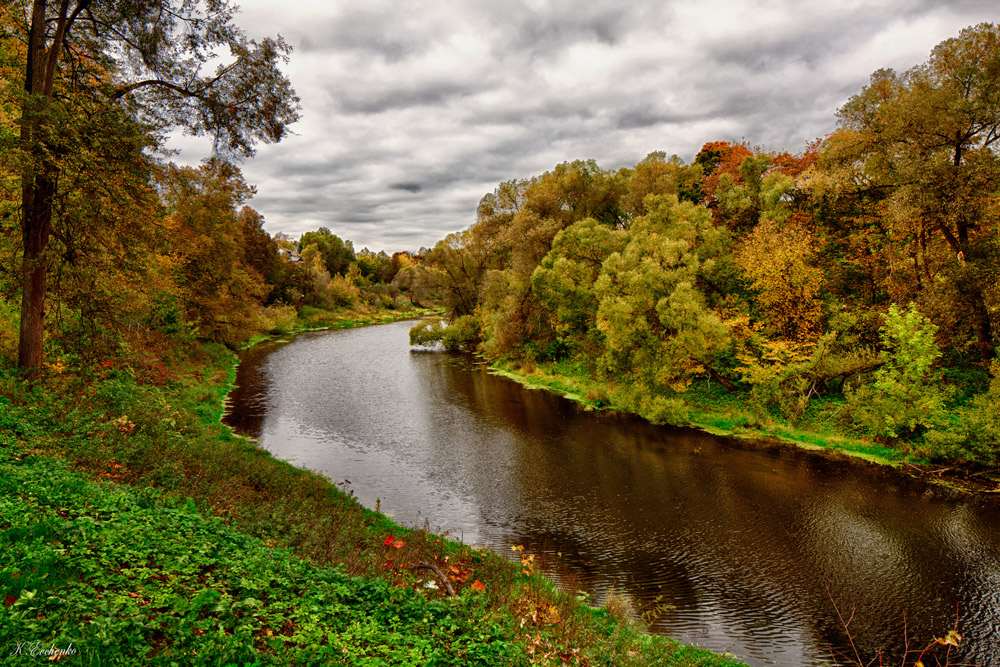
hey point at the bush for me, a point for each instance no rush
(9, 323)
(341, 292)
(428, 332)
(463, 333)
(278, 319)
(975, 437)
(904, 397)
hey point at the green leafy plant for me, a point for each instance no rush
(905, 396)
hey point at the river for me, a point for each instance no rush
(740, 547)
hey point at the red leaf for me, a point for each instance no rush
(398, 544)
(389, 539)
(9, 600)
(478, 586)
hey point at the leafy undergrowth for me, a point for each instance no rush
(124, 575)
(140, 528)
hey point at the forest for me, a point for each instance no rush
(850, 290)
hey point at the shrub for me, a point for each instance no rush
(9, 322)
(427, 333)
(278, 319)
(464, 332)
(905, 396)
(341, 292)
(975, 435)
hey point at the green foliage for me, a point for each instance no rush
(904, 396)
(658, 329)
(336, 255)
(973, 434)
(463, 333)
(125, 575)
(8, 332)
(428, 332)
(980, 424)
(564, 280)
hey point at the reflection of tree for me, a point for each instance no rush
(246, 402)
(715, 530)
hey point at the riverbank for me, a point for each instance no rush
(138, 527)
(714, 410)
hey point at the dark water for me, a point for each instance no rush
(734, 544)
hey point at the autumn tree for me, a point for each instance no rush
(220, 291)
(455, 269)
(337, 254)
(926, 142)
(564, 280)
(547, 204)
(147, 62)
(657, 174)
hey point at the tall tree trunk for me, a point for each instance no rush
(38, 185)
(982, 323)
(37, 227)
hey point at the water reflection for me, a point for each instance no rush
(734, 545)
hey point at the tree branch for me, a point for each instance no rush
(125, 90)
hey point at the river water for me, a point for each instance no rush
(740, 548)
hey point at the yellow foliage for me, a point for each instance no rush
(778, 258)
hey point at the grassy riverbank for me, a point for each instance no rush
(134, 526)
(711, 408)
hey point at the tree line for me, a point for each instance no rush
(861, 273)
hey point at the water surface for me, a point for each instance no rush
(735, 545)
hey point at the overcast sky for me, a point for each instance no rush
(412, 111)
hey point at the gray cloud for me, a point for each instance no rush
(412, 113)
(413, 188)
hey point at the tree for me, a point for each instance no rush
(221, 293)
(926, 142)
(337, 254)
(904, 395)
(564, 280)
(142, 60)
(657, 174)
(659, 328)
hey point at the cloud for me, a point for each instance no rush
(413, 188)
(412, 112)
